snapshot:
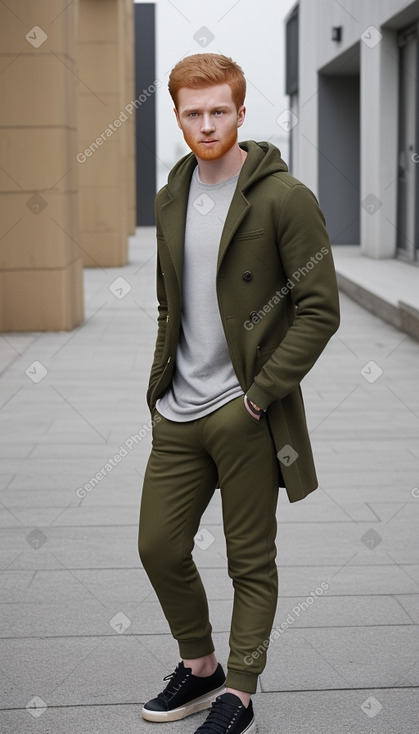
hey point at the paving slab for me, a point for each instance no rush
(69, 516)
(86, 617)
(82, 611)
(78, 670)
(291, 712)
(350, 657)
(75, 547)
(64, 586)
(353, 580)
(23, 507)
(64, 671)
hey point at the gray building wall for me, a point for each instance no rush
(326, 136)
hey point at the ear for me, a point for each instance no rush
(241, 114)
(177, 117)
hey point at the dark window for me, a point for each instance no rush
(145, 116)
(291, 50)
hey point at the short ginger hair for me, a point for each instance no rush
(207, 70)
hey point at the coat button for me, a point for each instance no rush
(254, 317)
(247, 275)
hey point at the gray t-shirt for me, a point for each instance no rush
(204, 378)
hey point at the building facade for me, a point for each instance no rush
(352, 72)
(67, 144)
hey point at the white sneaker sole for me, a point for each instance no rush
(251, 729)
(198, 704)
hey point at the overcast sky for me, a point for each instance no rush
(252, 33)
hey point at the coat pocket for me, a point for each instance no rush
(251, 235)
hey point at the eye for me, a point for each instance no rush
(192, 114)
(219, 112)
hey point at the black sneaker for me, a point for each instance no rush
(228, 714)
(185, 694)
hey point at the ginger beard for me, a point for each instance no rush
(214, 151)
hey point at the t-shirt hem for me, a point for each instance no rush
(171, 415)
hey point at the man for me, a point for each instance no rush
(247, 302)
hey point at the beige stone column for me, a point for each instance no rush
(40, 258)
(130, 95)
(105, 174)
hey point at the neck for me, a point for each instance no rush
(229, 165)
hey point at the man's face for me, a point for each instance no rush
(209, 120)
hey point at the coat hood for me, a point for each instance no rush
(263, 159)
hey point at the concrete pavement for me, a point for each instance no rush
(83, 640)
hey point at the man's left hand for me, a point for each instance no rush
(252, 408)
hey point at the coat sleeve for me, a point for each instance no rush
(157, 366)
(306, 257)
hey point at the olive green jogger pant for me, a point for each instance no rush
(186, 463)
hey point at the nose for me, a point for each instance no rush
(207, 123)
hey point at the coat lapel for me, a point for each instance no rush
(173, 217)
(173, 221)
(236, 213)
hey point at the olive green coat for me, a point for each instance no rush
(276, 290)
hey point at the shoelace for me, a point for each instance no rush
(175, 681)
(222, 715)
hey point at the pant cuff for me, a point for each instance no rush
(190, 649)
(241, 681)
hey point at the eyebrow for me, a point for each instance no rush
(196, 109)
